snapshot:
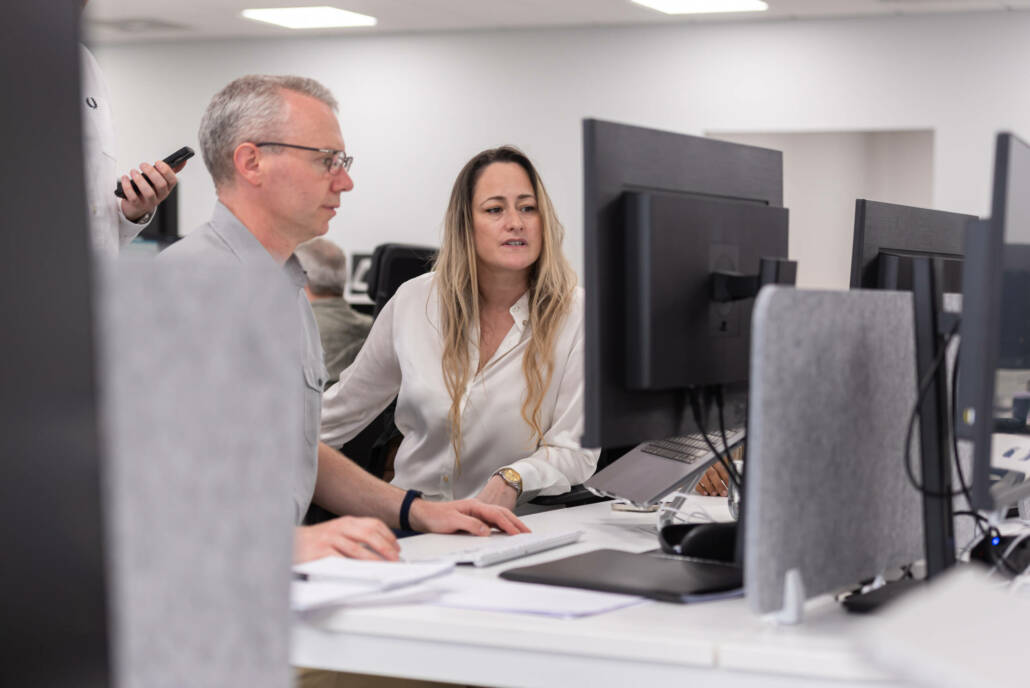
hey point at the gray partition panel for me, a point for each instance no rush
(832, 386)
(201, 420)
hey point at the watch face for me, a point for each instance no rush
(512, 477)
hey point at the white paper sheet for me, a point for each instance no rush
(379, 575)
(462, 592)
(309, 595)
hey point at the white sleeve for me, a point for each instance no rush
(366, 386)
(560, 462)
(127, 229)
(110, 228)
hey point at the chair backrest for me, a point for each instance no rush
(392, 266)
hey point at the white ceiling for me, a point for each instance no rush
(121, 21)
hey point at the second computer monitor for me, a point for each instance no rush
(887, 237)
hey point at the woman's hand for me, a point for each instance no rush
(498, 492)
(468, 515)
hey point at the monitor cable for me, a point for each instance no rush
(924, 386)
(731, 470)
(722, 430)
(983, 524)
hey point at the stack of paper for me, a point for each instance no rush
(335, 580)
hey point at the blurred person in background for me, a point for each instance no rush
(341, 328)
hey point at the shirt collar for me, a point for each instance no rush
(247, 248)
(520, 312)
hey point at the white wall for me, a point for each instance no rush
(824, 173)
(415, 107)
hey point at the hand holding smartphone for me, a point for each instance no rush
(174, 160)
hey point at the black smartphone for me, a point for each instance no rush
(179, 156)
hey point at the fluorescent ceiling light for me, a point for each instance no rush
(704, 6)
(310, 17)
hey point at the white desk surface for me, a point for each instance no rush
(721, 643)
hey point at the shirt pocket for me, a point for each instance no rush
(315, 376)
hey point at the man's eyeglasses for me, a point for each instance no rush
(333, 164)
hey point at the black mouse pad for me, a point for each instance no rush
(660, 577)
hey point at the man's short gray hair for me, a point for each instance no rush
(250, 108)
(326, 265)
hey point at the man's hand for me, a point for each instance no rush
(498, 492)
(469, 515)
(136, 205)
(348, 536)
(715, 482)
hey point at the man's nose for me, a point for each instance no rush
(342, 181)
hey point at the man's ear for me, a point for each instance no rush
(247, 161)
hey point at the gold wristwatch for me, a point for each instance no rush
(512, 478)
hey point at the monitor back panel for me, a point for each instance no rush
(904, 230)
(676, 336)
(832, 386)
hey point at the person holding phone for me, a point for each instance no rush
(114, 222)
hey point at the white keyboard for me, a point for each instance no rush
(512, 547)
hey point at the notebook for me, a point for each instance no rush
(657, 576)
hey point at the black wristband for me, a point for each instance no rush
(409, 497)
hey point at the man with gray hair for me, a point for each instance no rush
(342, 329)
(274, 149)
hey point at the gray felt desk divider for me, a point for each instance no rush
(198, 438)
(832, 386)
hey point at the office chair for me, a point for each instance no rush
(392, 266)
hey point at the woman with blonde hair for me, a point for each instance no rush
(484, 354)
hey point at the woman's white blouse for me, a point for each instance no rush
(402, 357)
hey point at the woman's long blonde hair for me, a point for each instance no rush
(551, 286)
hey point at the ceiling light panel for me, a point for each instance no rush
(704, 6)
(310, 17)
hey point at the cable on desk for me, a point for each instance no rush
(672, 510)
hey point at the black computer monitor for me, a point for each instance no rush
(163, 229)
(995, 354)
(57, 619)
(888, 236)
(663, 212)
(890, 244)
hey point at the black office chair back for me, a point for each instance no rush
(392, 266)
